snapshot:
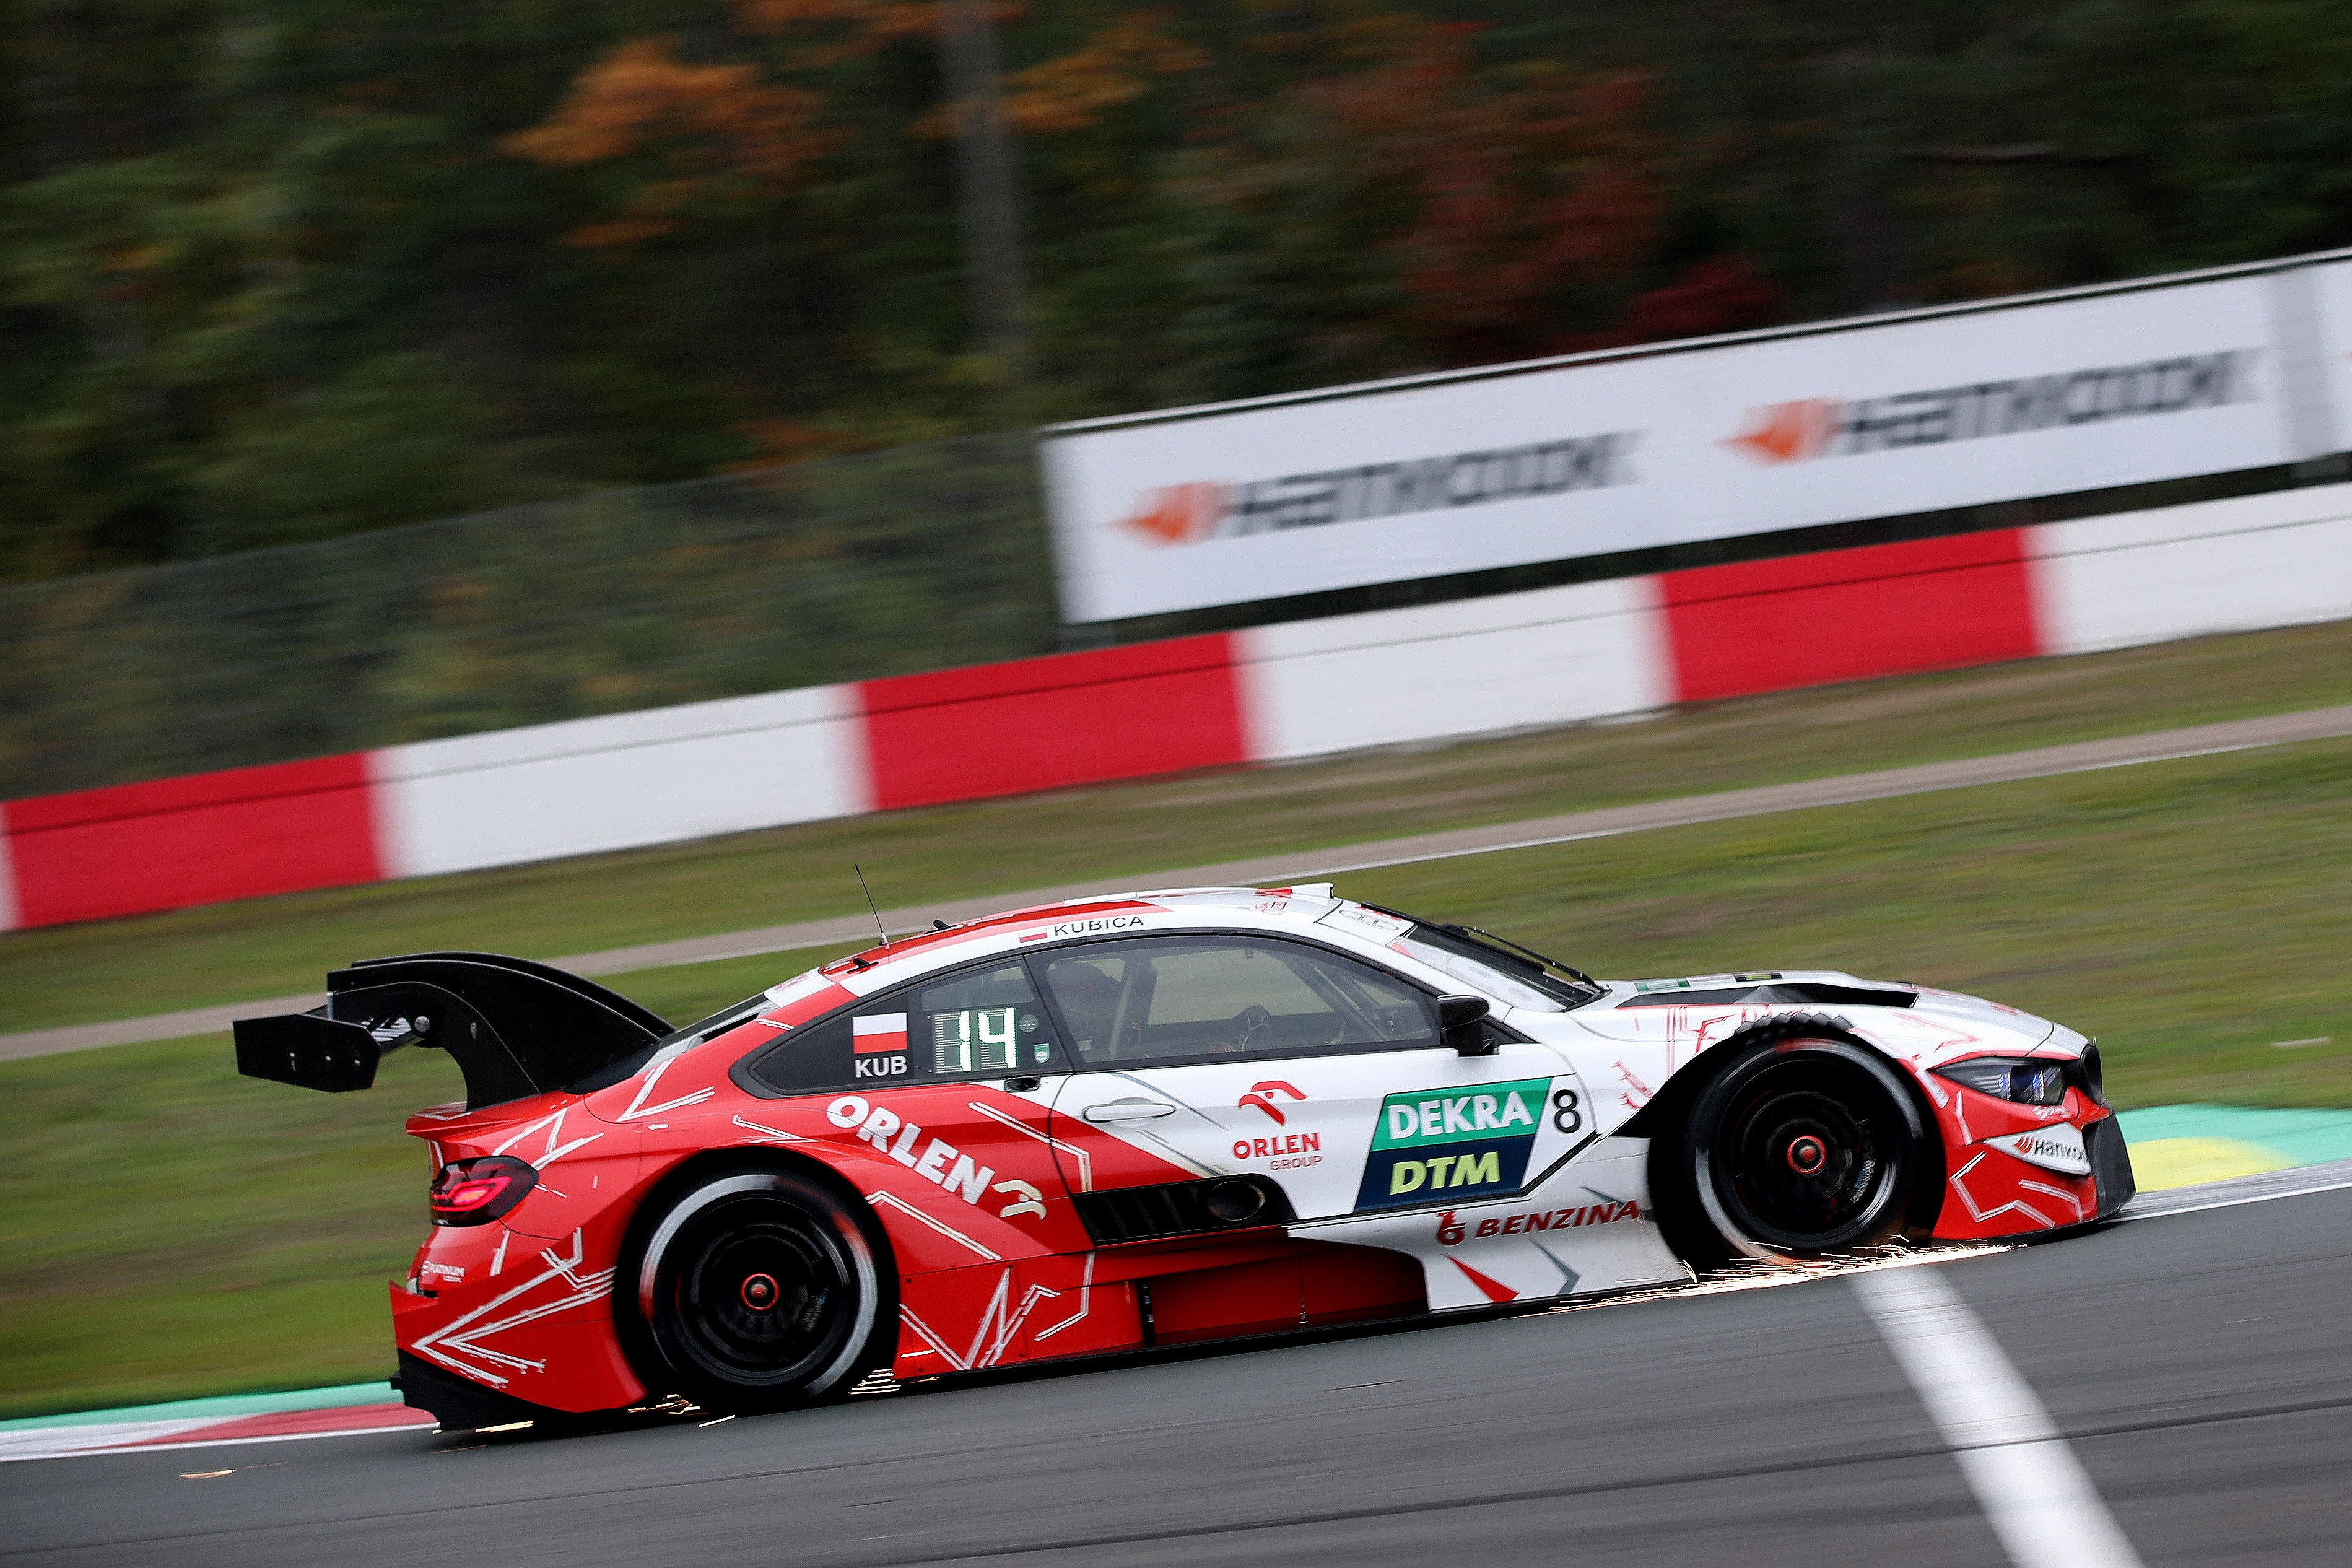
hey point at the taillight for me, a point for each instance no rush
(476, 1192)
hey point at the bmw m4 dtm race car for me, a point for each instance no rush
(1154, 1118)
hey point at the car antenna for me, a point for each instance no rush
(869, 902)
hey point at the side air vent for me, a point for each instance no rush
(1806, 991)
(1183, 1209)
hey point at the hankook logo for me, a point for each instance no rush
(1841, 427)
(1193, 513)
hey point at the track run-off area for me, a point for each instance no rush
(1271, 869)
(2171, 1389)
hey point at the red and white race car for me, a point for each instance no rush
(1149, 1119)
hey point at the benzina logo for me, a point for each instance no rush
(1193, 513)
(1841, 428)
(1451, 1232)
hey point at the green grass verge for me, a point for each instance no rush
(176, 1230)
(271, 947)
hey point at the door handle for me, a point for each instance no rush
(1127, 1110)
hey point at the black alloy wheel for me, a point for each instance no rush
(763, 1290)
(1806, 1149)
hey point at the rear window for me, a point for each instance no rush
(980, 1023)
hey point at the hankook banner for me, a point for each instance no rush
(1393, 481)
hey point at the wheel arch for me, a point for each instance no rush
(1663, 1119)
(655, 1201)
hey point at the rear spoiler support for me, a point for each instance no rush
(514, 1028)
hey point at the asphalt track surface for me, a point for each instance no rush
(2197, 1363)
(1278, 869)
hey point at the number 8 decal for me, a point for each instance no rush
(1564, 1113)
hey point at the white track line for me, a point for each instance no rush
(2027, 1479)
(62, 1444)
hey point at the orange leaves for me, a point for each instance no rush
(1114, 66)
(641, 91)
(717, 129)
(705, 121)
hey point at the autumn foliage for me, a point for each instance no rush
(1511, 203)
(277, 272)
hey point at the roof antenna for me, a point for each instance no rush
(869, 902)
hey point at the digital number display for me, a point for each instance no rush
(977, 1039)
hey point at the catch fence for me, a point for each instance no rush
(913, 559)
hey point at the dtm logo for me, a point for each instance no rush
(1452, 1142)
(1257, 1096)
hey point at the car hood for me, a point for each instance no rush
(1921, 1023)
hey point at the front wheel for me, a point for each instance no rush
(1804, 1150)
(763, 1290)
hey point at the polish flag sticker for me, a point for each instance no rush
(878, 1032)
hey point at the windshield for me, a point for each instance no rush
(1514, 981)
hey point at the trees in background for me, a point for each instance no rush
(279, 269)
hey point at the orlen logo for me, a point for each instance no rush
(1178, 514)
(1257, 1096)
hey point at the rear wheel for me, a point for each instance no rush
(1803, 1150)
(762, 1289)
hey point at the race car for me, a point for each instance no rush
(1154, 1118)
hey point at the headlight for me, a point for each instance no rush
(2007, 1077)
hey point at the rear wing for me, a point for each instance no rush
(514, 1028)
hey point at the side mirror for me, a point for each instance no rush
(1458, 1018)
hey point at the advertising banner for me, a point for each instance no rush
(1395, 482)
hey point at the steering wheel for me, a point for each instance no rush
(1244, 1024)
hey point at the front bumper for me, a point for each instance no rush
(2111, 1166)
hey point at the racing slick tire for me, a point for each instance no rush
(1802, 1149)
(757, 1288)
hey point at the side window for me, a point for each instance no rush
(1200, 999)
(980, 1023)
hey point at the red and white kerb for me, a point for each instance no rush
(878, 1032)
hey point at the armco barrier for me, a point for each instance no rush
(1553, 656)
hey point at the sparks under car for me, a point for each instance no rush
(1152, 1119)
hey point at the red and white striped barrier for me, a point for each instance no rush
(1305, 689)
